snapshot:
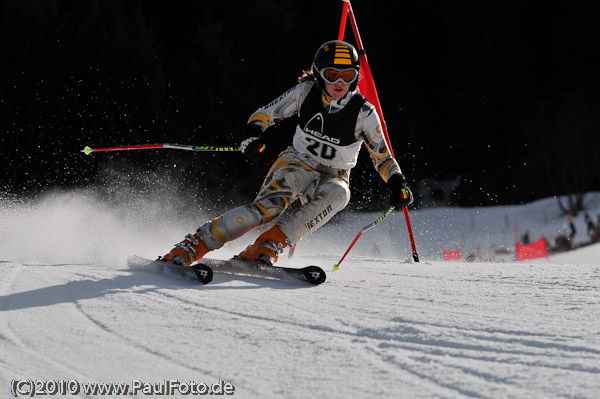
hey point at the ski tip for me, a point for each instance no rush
(203, 273)
(315, 275)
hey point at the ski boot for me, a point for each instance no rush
(187, 251)
(267, 247)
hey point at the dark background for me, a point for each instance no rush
(501, 97)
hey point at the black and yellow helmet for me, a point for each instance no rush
(339, 56)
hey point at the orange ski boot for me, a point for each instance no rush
(267, 246)
(187, 251)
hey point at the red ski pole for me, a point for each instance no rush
(360, 233)
(88, 150)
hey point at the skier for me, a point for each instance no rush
(335, 120)
(572, 226)
(591, 229)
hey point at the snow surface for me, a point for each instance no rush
(382, 326)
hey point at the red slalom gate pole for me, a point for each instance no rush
(367, 85)
(343, 23)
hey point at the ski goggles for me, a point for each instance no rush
(334, 75)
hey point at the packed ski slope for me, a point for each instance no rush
(382, 326)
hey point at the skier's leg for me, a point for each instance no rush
(232, 225)
(214, 234)
(324, 198)
(287, 178)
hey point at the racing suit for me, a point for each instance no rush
(314, 169)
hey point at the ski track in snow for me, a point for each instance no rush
(380, 327)
(426, 330)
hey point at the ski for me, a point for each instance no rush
(235, 266)
(202, 273)
(204, 269)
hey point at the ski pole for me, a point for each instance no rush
(360, 233)
(88, 150)
(411, 235)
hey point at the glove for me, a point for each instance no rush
(253, 147)
(400, 194)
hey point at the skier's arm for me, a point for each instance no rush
(285, 106)
(369, 129)
(371, 132)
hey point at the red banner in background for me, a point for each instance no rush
(451, 255)
(532, 251)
